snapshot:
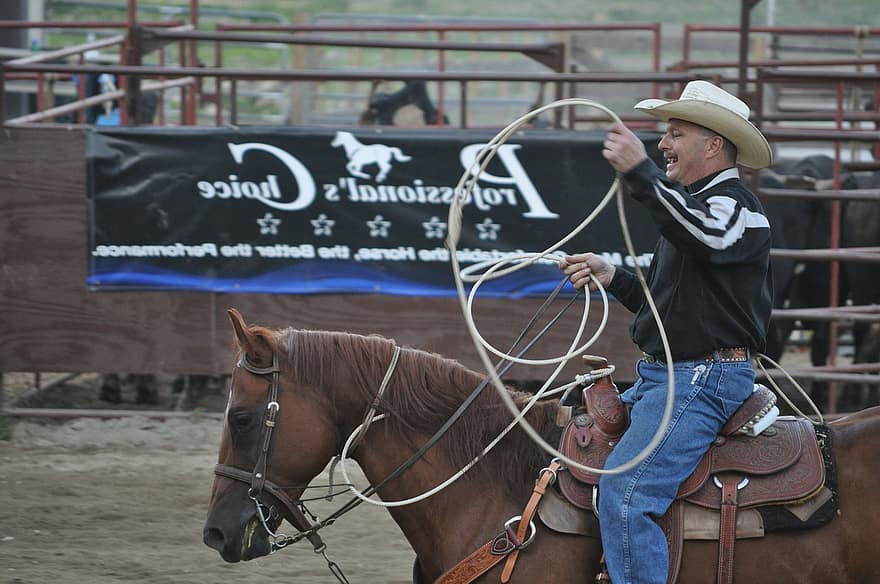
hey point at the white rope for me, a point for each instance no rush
(462, 190)
(497, 264)
(371, 412)
(495, 269)
(759, 359)
(519, 416)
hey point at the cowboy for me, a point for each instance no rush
(710, 281)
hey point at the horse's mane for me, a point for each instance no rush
(424, 391)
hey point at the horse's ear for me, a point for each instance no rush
(255, 346)
(238, 325)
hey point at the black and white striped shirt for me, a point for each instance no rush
(710, 275)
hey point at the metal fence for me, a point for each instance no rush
(480, 75)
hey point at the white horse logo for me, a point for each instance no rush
(360, 155)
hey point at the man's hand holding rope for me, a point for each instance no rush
(579, 269)
(623, 149)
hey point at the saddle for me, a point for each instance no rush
(758, 459)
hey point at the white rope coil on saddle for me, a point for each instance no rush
(759, 359)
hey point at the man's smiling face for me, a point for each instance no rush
(684, 146)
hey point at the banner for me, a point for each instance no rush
(314, 210)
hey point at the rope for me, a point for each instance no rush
(759, 359)
(371, 411)
(365, 494)
(498, 268)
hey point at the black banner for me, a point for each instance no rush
(314, 210)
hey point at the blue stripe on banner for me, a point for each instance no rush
(315, 279)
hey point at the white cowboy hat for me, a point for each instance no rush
(708, 105)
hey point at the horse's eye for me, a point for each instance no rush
(241, 421)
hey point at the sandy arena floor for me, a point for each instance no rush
(94, 501)
(121, 500)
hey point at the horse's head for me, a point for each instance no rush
(339, 139)
(255, 488)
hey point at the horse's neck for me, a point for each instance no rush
(448, 525)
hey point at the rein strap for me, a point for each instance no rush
(502, 367)
(506, 544)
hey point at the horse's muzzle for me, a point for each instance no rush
(239, 544)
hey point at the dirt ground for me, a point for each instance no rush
(101, 501)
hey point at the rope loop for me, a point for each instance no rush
(493, 269)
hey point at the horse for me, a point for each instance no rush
(296, 395)
(360, 155)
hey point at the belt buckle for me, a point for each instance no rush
(731, 354)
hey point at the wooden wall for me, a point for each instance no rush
(50, 321)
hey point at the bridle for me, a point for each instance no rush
(292, 510)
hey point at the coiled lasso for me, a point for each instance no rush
(508, 265)
(493, 269)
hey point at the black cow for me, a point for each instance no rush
(799, 224)
(861, 228)
(805, 224)
(144, 383)
(190, 389)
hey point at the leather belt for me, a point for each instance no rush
(725, 355)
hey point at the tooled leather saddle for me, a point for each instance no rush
(782, 464)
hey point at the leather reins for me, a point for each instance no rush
(502, 367)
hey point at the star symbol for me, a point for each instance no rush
(379, 226)
(434, 229)
(323, 225)
(268, 224)
(488, 229)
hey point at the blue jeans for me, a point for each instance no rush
(707, 393)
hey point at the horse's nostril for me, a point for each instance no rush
(213, 538)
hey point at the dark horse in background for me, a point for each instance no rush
(315, 387)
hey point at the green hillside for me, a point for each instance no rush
(786, 12)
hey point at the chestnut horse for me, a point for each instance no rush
(312, 389)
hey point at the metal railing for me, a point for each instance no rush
(554, 55)
(45, 82)
(551, 55)
(187, 76)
